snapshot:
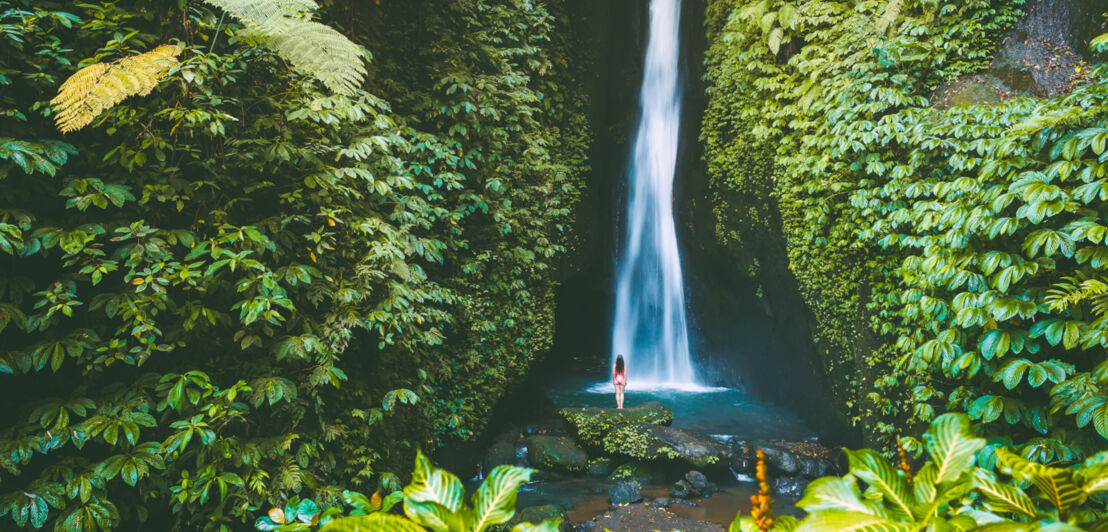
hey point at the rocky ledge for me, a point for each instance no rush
(643, 441)
(591, 425)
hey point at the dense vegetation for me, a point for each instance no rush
(953, 258)
(260, 261)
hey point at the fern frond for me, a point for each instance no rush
(317, 49)
(892, 12)
(99, 87)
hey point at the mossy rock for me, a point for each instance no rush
(641, 472)
(556, 453)
(501, 453)
(600, 467)
(538, 514)
(592, 424)
(643, 441)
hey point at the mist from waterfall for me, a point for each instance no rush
(650, 328)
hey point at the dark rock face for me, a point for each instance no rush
(643, 441)
(694, 485)
(600, 467)
(501, 453)
(591, 425)
(1043, 56)
(801, 459)
(624, 493)
(556, 453)
(640, 472)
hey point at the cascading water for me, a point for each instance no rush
(650, 328)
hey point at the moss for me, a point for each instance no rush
(646, 442)
(592, 424)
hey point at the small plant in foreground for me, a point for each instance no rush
(433, 500)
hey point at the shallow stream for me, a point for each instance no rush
(724, 413)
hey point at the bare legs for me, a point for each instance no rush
(619, 395)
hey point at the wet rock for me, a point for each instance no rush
(779, 459)
(556, 453)
(538, 514)
(640, 472)
(643, 441)
(591, 425)
(681, 490)
(587, 526)
(624, 493)
(661, 502)
(600, 467)
(698, 481)
(789, 486)
(695, 484)
(500, 453)
(806, 459)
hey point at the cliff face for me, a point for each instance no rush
(820, 135)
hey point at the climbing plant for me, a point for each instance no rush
(247, 269)
(949, 256)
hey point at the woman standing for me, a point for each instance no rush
(619, 379)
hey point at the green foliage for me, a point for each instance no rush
(951, 492)
(434, 500)
(951, 257)
(240, 287)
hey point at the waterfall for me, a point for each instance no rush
(650, 328)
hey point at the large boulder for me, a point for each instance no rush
(501, 453)
(624, 493)
(592, 424)
(641, 472)
(601, 467)
(643, 441)
(538, 514)
(556, 453)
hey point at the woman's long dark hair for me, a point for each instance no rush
(619, 363)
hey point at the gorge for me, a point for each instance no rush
(258, 257)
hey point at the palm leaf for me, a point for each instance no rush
(101, 86)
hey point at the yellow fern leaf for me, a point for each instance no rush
(99, 87)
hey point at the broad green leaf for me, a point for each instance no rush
(1003, 497)
(1054, 484)
(495, 501)
(873, 469)
(952, 445)
(832, 493)
(843, 521)
(430, 484)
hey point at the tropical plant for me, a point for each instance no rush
(434, 500)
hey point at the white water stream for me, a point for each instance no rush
(650, 328)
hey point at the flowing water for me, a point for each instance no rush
(650, 328)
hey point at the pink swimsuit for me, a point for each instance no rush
(619, 378)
